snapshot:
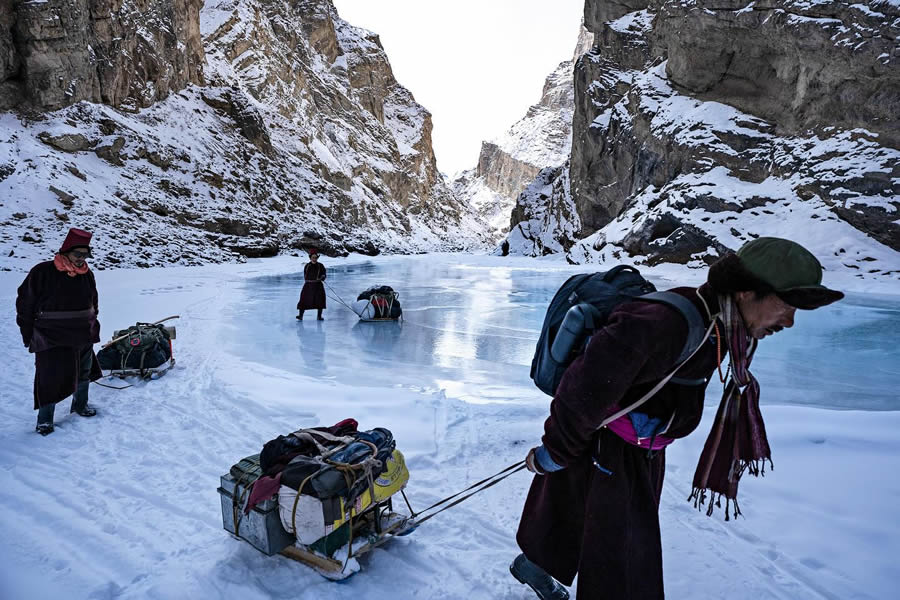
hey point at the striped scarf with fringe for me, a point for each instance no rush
(737, 441)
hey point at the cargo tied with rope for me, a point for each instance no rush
(378, 303)
(322, 496)
(144, 350)
(325, 496)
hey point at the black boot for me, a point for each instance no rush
(44, 428)
(86, 411)
(537, 579)
(320, 317)
(300, 316)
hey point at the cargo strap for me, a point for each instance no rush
(310, 435)
(348, 471)
(237, 504)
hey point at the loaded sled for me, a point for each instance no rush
(321, 496)
(143, 350)
(379, 303)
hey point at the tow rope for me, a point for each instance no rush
(481, 486)
(337, 298)
(113, 387)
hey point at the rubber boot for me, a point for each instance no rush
(537, 579)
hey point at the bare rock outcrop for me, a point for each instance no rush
(801, 65)
(124, 53)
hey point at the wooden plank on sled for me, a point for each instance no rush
(311, 559)
(334, 569)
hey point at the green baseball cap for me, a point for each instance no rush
(792, 271)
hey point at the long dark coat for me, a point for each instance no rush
(57, 316)
(313, 293)
(605, 527)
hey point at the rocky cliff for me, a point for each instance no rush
(541, 139)
(700, 125)
(124, 53)
(247, 128)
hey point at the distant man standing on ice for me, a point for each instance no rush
(56, 310)
(312, 296)
(593, 506)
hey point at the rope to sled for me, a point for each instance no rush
(113, 387)
(338, 298)
(490, 481)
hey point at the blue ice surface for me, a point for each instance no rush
(472, 331)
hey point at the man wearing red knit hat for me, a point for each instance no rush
(56, 310)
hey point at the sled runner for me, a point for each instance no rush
(379, 303)
(143, 350)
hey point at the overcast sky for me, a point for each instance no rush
(477, 65)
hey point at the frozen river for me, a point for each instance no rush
(472, 330)
(135, 487)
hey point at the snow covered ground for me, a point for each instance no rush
(125, 505)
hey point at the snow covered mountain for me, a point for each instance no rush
(542, 138)
(185, 132)
(700, 125)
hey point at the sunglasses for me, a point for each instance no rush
(80, 253)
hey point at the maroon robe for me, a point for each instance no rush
(313, 293)
(57, 317)
(605, 527)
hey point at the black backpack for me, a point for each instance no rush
(583, 303)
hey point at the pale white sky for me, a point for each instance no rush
(477, 65)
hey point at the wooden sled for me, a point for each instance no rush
(379, 320)
(363, 541)
(147, 374)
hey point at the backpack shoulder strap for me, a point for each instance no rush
(696, 326)
(705, 333)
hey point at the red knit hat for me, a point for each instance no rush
(76, 238)
(312, 251)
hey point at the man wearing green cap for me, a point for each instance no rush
(593, 506)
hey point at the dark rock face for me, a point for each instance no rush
(700, 125)
(248, 120)
(544, 220)
(503, 173)
(67, 142)
(664, 238)
(124, 53)
(798, 64)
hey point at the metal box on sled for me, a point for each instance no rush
(261, 527)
